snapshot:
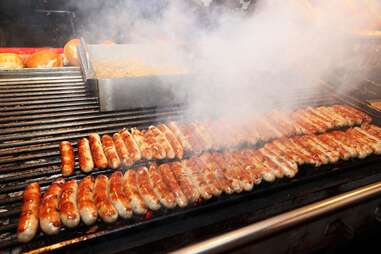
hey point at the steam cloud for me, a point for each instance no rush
(245, 61)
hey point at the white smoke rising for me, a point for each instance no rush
(242, 62)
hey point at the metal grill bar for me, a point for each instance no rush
(41, 85)
(49, 101)
(52, 110)
(87, 116)
(39, 81)
(37, 98)
(51, 115)
(43, 93)
(52, 105)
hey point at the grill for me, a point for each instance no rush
(41, 108)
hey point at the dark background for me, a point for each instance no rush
(50, 23)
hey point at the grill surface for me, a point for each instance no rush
(38, 113)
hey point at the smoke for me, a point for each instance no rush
(243, 62)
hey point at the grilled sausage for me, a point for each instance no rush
(244, 176)
(85, 159)
(144, 147)
(146, 189)
(122, 150)
(180, 136)
(110, 152)
(163, 141)
(175, 144)
(67, 158)
(158, 151)
(130, 187)
(197, 178)
(118, 197)
(106, 210)
(210, 177)
(68, 204)
(28, 221)
(212, 165)
(166, 197)
(99, 157)
(173, 185)
(86, 202)
(283, 164)
(50, 221)
(230, 174)
(190, 192)
(132, 147)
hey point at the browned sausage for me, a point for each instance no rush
(110, 151)
(99, 157)
(176, 145)
(144, 146)
(118, 197)
(161, 190)
(130, 187)
(189, 190)
(28, 221)
(50, 221)
(122, 150)
(85, 159)
(170, 180)
(106, 210)
(132, 146)
(146, 190)
(86, 202)
(68, 204)
(67, 158)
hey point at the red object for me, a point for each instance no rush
(148, 215)
(28, 51)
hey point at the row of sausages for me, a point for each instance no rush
(120, 195)
(122, 148)
(182, 182)
(167, 141)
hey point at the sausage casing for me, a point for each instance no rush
(106, 210)
(28, 221)
(84, 153)
(50, 221)
(175, 144)
(161, 190)
(110, 152)
(146, 190)
(130, 187)
(86, 202)
(170, 180)
(67, 158)
(99, 157)
(122, 150)
(190, 191)
(118, 197)
(132, 147)
(68, 204)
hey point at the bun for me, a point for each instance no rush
(44, 59)
(70, 52)
(10, 61)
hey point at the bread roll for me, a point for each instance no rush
(10, 61)
(70, 52)
(45, 58)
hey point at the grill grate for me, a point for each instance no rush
(39, 112)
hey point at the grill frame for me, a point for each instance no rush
(46, 171)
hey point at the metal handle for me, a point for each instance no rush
(277, 223)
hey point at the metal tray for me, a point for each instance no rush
(119, 93)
